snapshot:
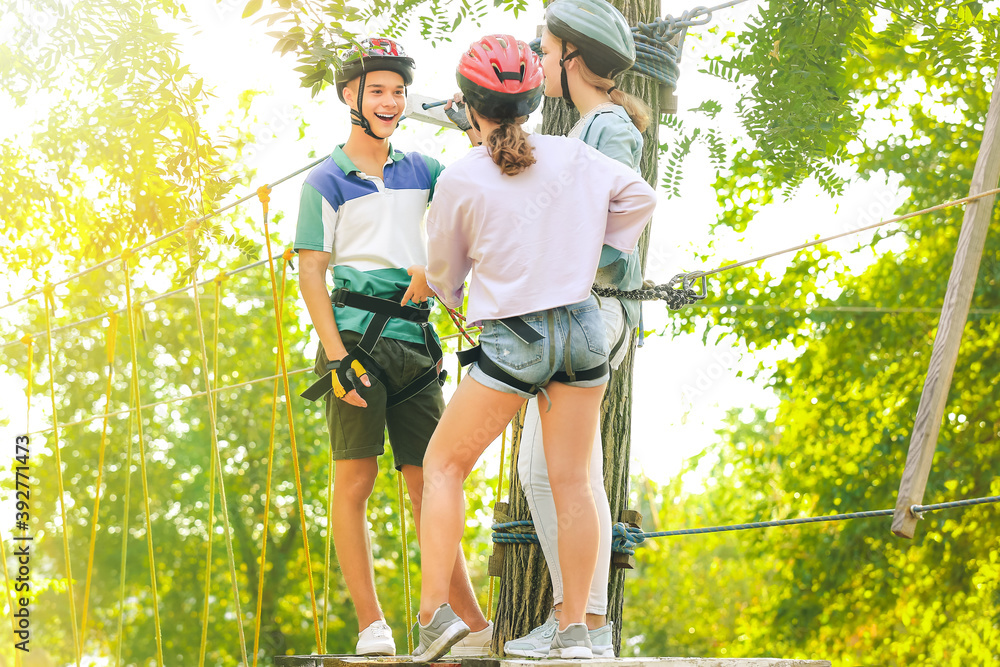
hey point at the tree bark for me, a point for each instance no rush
(525, 594)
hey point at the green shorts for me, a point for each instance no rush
(357, 433)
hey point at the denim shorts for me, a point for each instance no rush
(573, 333)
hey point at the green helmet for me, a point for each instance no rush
(598, 30)
(372, 55)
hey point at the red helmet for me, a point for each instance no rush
(500, 77)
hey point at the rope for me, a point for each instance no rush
(50, 307)
(142, 452)
(329, 543)
(458, 318)
(684, 296)
(158, 297)
(111, 344)
(214, 433)
(125, 516)
(203, 648)
(171, 293)
(185, 227)
(876, 310)
(270, 468)
(626, 537)
(656, 57)
(406, 561)
(263, 193)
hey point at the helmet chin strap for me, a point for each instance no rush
(562, 78)
(356, 116)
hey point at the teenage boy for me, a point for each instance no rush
(360, 220)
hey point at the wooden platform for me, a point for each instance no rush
(370, 661)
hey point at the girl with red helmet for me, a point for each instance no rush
(525, 216)
(585, 45)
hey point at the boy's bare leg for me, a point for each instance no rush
(461, 595)
(354, 480)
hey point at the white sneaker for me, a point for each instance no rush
(573, 643)
(444, 630)
(376, 639)
(602, 640)
(537, 642)
(474, 644)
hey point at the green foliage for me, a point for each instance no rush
(850, 592)
(118, 153)
(684, 140)
(177, 436)
(315, 32)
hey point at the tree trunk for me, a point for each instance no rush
(525, 595)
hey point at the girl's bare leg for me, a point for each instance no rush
(568, 429)
(474, 418)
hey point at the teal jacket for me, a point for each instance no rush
(612, 133)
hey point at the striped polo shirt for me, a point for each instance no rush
(372, 227)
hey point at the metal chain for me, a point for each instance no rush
(678, 292)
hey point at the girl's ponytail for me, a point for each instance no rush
(637, 110)
(508, 146)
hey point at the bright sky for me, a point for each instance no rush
(683, 387)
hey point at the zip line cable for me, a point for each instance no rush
(938, 207)
(147, 244)
(679, 291)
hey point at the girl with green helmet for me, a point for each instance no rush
(585, 45)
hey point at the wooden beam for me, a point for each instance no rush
(954, 314)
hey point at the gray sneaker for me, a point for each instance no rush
(443, 632)
(573, 643)
(536, 643)
(602, 640)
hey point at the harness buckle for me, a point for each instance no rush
(339, 297)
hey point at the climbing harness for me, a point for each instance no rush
(525, 333)
(360, 359)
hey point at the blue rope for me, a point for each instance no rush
(626, 538)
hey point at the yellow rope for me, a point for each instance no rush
(211, 484)
(142, 454)
(263, 193)
(111, 344)
(406, 561)
(326, 560)
(213, 431)
(49, 309)
(125, 516)
(267, 502)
